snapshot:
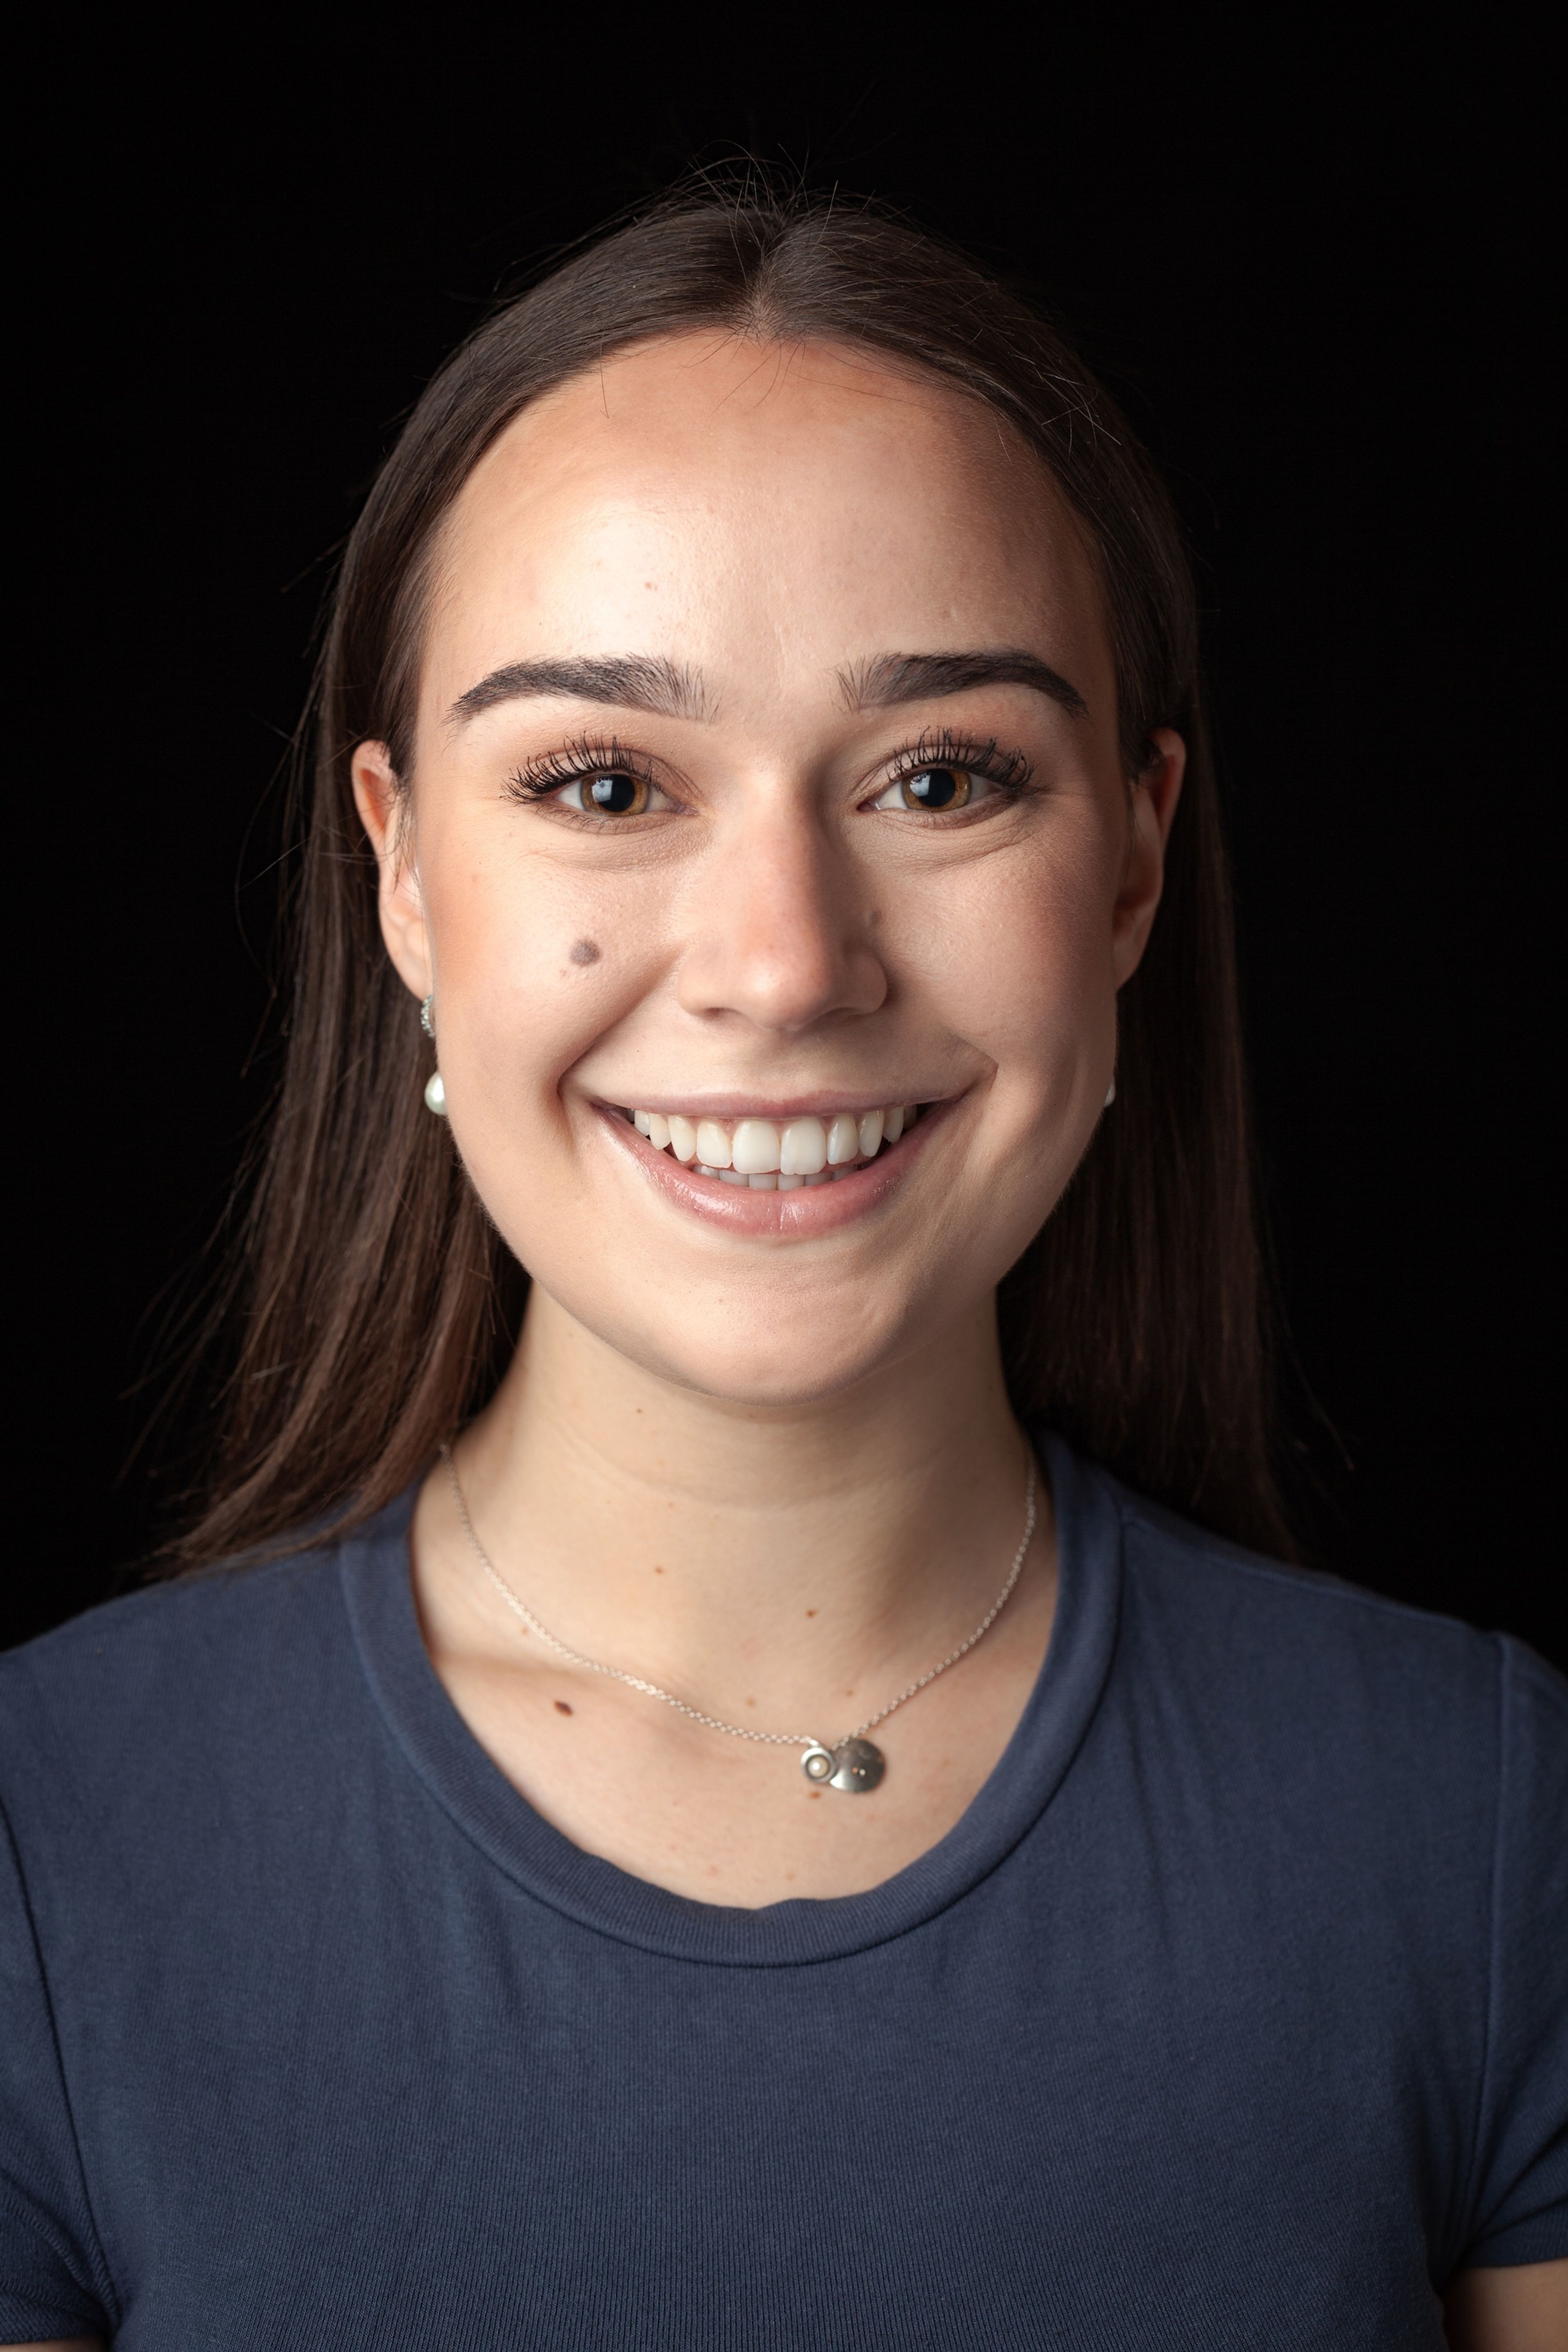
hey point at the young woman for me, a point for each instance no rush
(705, 1815)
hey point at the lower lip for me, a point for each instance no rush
(789, 1216)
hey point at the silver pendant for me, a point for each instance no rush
(854, 1765)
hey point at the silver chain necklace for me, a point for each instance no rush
(853, 1764)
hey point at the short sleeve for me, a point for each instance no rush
(1519, 2206)
(53, 2280)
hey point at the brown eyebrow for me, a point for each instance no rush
(919, 677)
(635, 681)
(675, 690)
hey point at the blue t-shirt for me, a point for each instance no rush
(1231, 2013)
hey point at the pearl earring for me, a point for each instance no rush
(435, 1087)
(1110, 1094)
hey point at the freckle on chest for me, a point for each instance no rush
(586, 951)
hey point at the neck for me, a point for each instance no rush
(756, 1559)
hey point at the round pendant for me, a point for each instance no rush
(859, 1765)
(854, 1765)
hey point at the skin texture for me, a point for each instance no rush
(774, 1471)
(1522, 2310)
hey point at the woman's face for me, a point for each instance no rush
(766, 781)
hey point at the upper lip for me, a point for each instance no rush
(827, 1103)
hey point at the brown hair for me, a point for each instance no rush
(377, 1305)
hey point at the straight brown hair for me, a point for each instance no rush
(371, 1304)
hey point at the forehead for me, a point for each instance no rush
(770, 506)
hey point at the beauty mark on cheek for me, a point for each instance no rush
(586, 951)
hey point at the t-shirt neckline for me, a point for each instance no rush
(473, 1791)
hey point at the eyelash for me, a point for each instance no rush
(536, 779)
(1008, 771)
(539, 779)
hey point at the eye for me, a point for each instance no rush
(933, 789)
(614, 792)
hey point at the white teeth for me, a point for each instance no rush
(773, 1154)
(755, 1147)
(843, 1140)
(712, 1143)
(803, 1148)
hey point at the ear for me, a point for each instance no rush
(379, 800)
(1155, 796)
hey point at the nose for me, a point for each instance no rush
(780, 933)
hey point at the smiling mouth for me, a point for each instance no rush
(768, 1155)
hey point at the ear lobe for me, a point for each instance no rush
(400, 903)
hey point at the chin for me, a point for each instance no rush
(784, 1367)
(778, 1381)
(772, 1390)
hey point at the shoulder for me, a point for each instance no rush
(1370, 1799)
(142, 1697)
(1301, 1616)
(162, 1627)
(1309, 1677)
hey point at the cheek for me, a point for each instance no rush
(532, 965)
(1020, 966)
(1035, 994)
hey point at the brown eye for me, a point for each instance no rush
(614, 794)
(936, 788)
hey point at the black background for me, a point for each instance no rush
(1309, 263)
